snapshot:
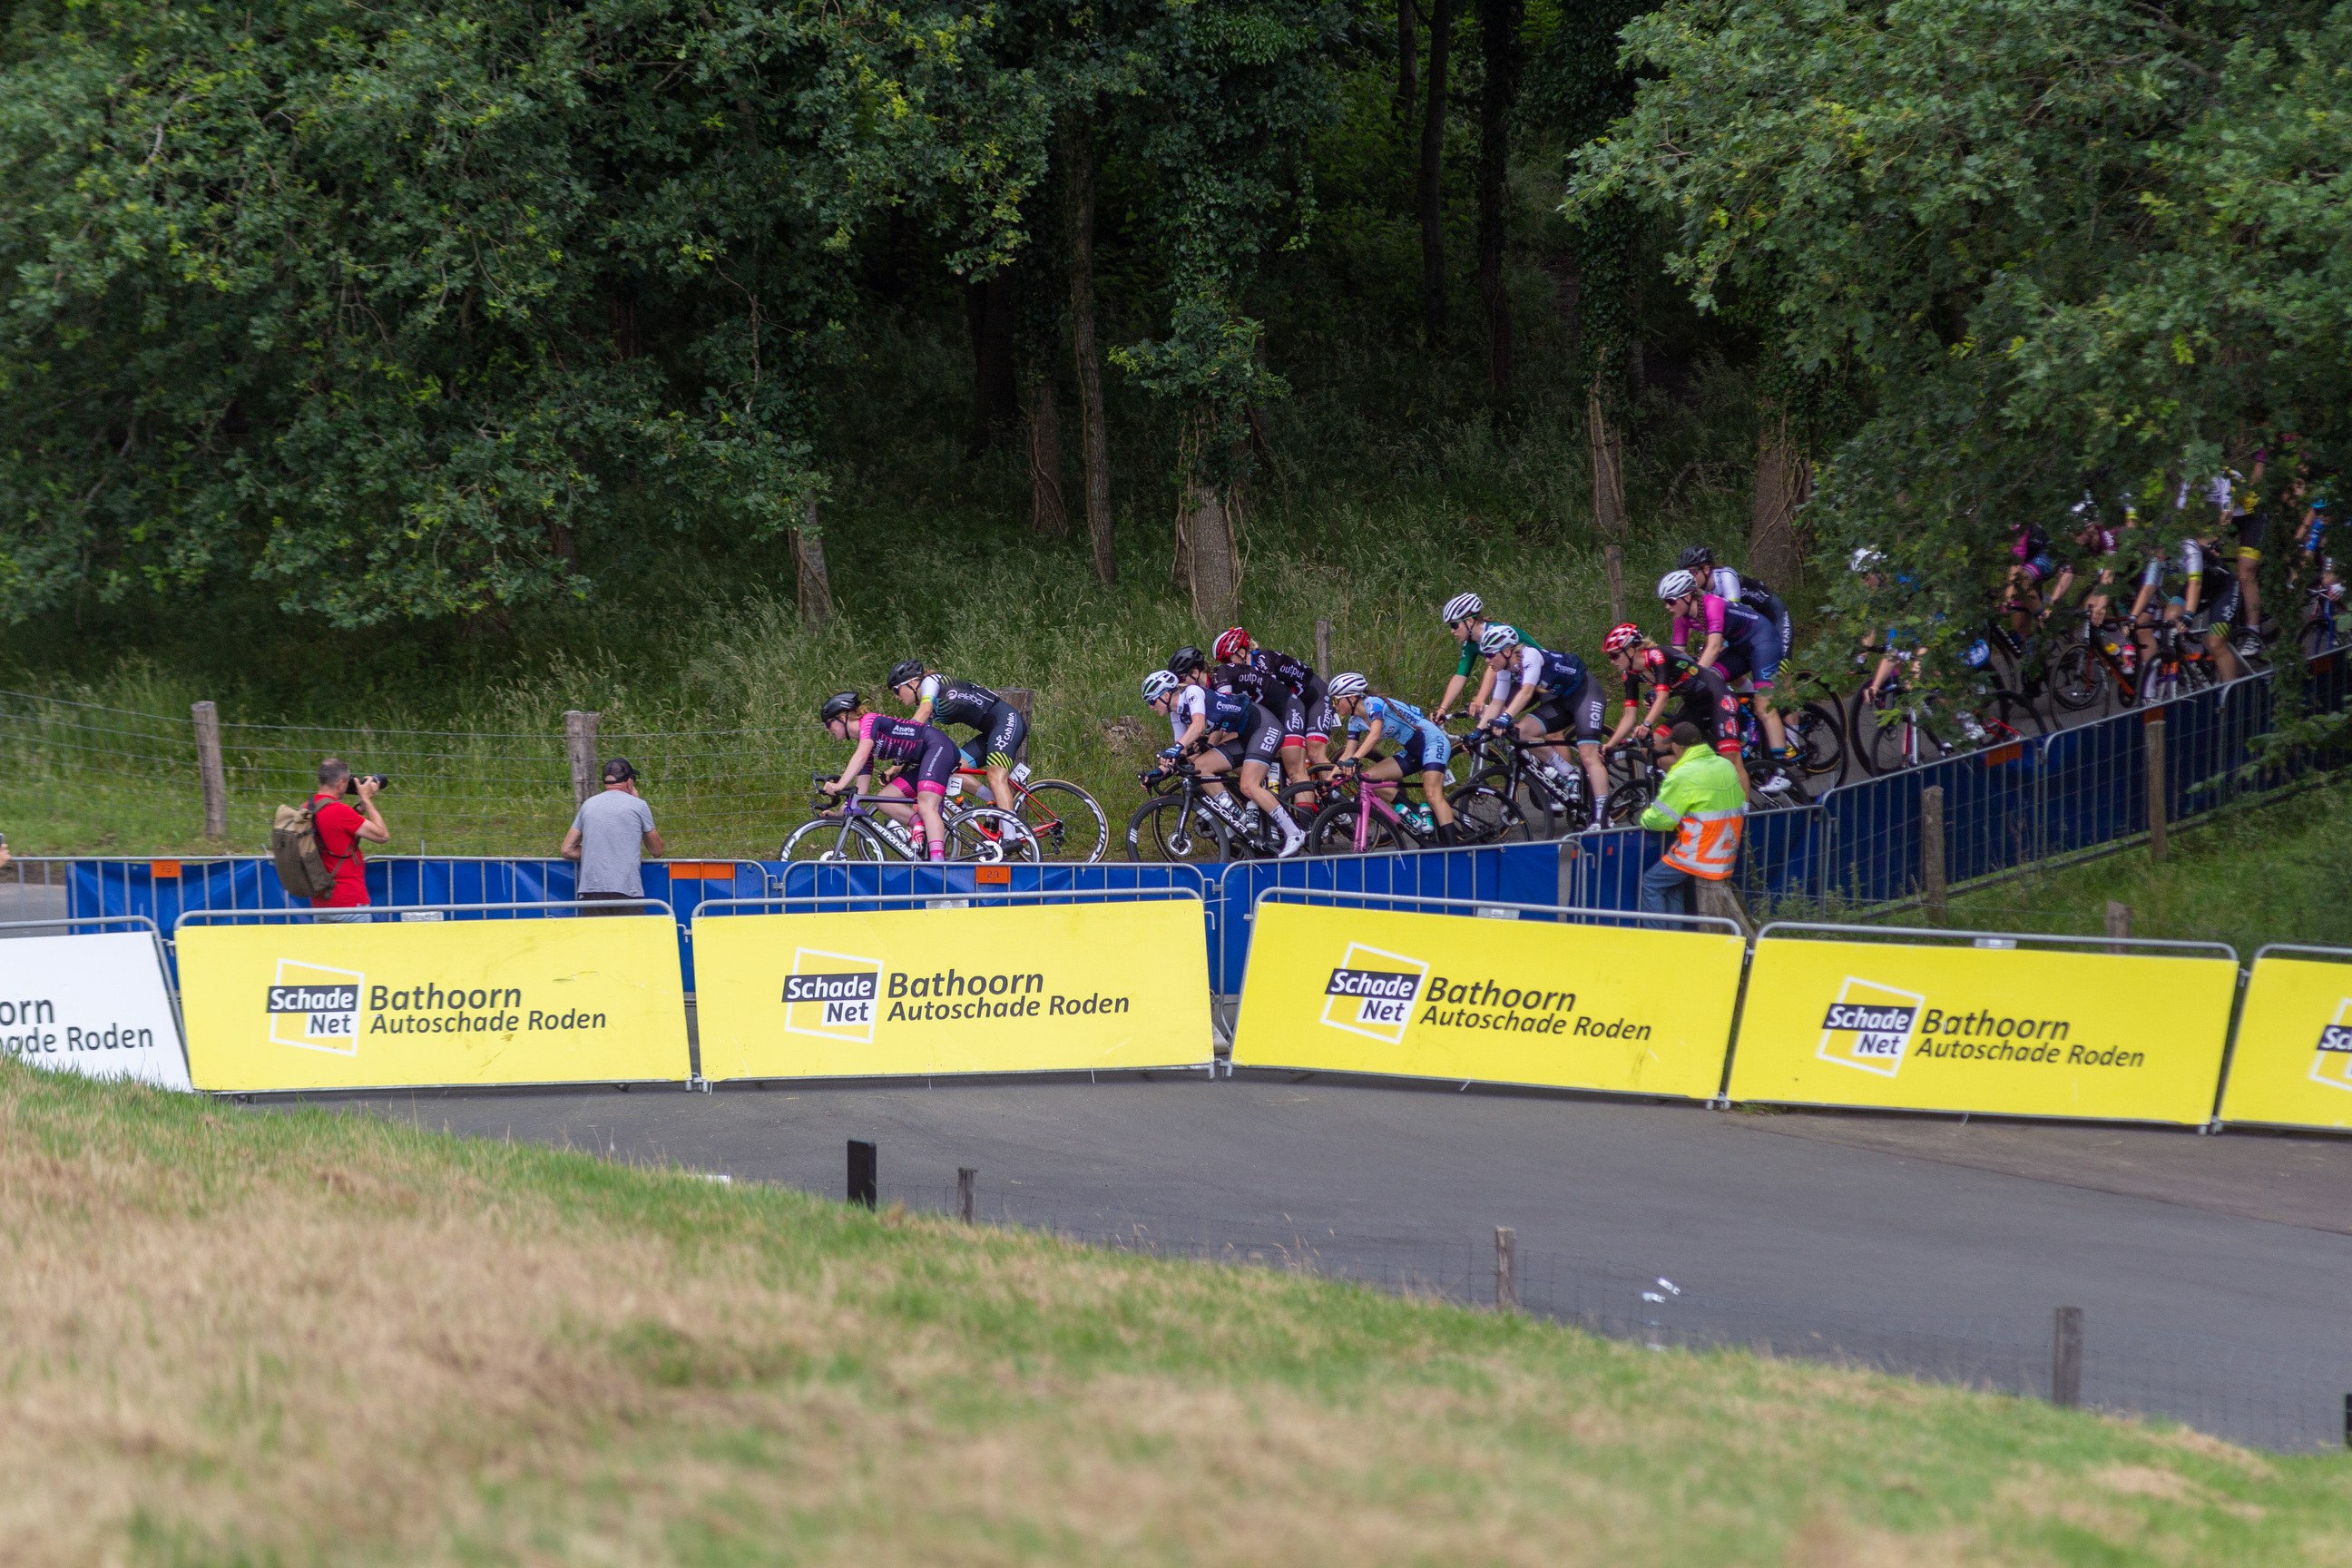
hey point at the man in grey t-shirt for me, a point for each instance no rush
(606, 838)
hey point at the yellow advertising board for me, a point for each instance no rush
(2292, 1064)
(451, 1002)
(1018, 988)
(1448, 996)
(2004, 1031)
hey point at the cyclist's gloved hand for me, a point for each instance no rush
(1170, 753)
(1500, 720)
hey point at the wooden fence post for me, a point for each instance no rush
(1612, 562)
(1507, 1269)
(1931, 853)
(816, 587)
(2118, 922)
(209, 769)
(579, 743)
(1323, 649)
(2067, 1358)
(967, 1184)
(2156, 775)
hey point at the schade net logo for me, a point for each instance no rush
(832, 995)
(2331, 1064)
(1372, 992)
(1870, 1026)
(316, 1009)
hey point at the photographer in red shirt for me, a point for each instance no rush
(340, 831)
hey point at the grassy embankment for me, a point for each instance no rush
(235, 1338)
(2253, 875)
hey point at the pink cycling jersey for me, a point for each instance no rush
(1709, 619)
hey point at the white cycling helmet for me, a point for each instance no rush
(1865, 558)
(1676, 586)
(1499, 639)
(1348, 685)
(1159, 684)
(1461, 606)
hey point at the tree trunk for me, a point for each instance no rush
(1094, 443)
(1784, 482)
(1433, 158)
(988, 311)
(1607, 468)
(1213, 564)
(1048, 515)
(1499, 25)
(1408, 63)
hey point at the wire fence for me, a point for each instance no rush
(2267, 1398)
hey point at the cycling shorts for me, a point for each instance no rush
(1425, 751)
(1759, 657)
(1316, 701)
(1262, 744)
(1294, 723)
(2042, 568)
(2251, 529)
(1718, 721)
(1000, 739)
(930, 771)
(2226, 608)
(1576, 714)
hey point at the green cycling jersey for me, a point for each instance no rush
(1471, 656)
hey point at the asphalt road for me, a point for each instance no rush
(1881, 1227)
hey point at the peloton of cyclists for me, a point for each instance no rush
(998, 729)
(1283, 685)
(926, 757)
(1222, 729)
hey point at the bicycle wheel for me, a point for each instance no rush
(1158, 831)
(989, 834)
(1534, 806)
(1483, 815)
(1816, 739)
(2080, 679)
(1628, 800)
(1067, 823)
(2016, 713)
(832, 839)
(1880, 746)
(1333, 831)
(2319, 638)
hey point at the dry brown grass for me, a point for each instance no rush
(299, 1339)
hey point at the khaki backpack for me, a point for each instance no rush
(302, 866)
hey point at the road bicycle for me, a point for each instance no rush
(1366, 819)
(1069, 824)
(854, 832)
(1182, 821)
(1895, 728)
(1635, 775)
(1816, 738)
(2099, 656)
(1513, 795)
(2323, 624)
(2178, 666)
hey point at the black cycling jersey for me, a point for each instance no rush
(1297, 675)
(957, 701)
(1260, 686)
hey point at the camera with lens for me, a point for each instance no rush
(351, 784)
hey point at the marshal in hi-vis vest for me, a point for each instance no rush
(1702, 805)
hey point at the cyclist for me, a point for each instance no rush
(1466, 617)
(1747, 646)
(1572, 701)
(1199, 710)
(1703, 697)
(1738, 588)
(1306, 706)
(998, 729)
(2239, 515)
(1421, 747)
(2202, 575)
(926, 755)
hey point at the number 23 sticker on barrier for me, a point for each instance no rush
(2292, 1064)
(1523, 1001)
(1013, 988)
(2007, 1031)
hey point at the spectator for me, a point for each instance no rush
(340, 829)
(606, 838)
(1701, 802)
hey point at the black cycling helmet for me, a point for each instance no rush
(905, 670)
(1696, 556)
(836, 706)
(1185, 660)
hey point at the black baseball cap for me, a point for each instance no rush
(618, 771)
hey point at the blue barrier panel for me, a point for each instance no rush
(2094, 784)
(1604, 870)
(1500, 873)
(1781, 855)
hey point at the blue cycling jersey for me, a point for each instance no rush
(1398, 718)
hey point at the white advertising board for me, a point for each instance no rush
(93, 1004)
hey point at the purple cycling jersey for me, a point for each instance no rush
(898, 740)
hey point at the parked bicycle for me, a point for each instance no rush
(855, 832)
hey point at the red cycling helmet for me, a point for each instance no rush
(1622, 636)
(1231, 645)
